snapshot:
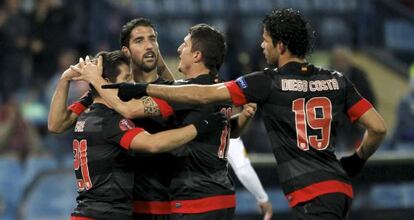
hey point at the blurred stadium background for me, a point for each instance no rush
(41, 38)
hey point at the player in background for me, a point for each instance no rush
(301, 104)
(101, 142)
(248, 177)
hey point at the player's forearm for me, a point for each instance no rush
(194, 94)
(172, 139)
(248, 177)
(370, 143)
(130, 110)
(59, 118)
(239, 125)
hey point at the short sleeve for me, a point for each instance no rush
(355, 104)
(120, 131)
(165, 108)
(83, 103)
(254, 87)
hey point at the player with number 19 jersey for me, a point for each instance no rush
(300, 102)
(102, 165)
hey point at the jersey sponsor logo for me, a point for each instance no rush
(241, 82)
(80, 125)
(126, 124)
(305, 85)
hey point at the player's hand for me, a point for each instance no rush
(69, 74)
(249, 109)
(89, 70)
(128, 91)
(352, 164)
(266, 209)
(212, 122)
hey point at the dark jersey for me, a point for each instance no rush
(152, 171)
(102, 164)
(201, 181)
(302, 105)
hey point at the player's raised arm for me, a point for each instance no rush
(254, 87)
(134, 108)
(60, 118)
(196, 94)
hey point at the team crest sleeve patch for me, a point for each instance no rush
(126, 124)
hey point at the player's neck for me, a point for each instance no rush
(284, 59)
(195, 71)
(141, 76)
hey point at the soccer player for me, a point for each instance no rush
(301, 104)
(101, 140)
(200, 187)
(151, 186)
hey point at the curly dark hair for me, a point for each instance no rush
(291, 28)
(130, 25)
(211, 43)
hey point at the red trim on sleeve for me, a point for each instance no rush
(165, 108)
(358, 109)
(152, 207)
(237, 95)
(80, 218)
(129, 136)
(77, 108)
(309, 192)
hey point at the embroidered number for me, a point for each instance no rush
(225, 135)
(306, 115)
(80, 160)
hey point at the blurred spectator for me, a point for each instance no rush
(350, 135)
(18, 138)
(49, 25)
(403, 136)
(66, 58)
(14, 29)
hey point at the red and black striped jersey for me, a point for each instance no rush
(302, 105)
(102, 164)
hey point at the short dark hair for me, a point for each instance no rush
(292, 29)
(111, 61)
(130, 25)
(211, 43)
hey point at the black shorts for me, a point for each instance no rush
(151, 217)
(221, 214)
(333, 206)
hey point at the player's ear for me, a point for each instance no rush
(197, 56)
(126, 52)
(281, 47)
